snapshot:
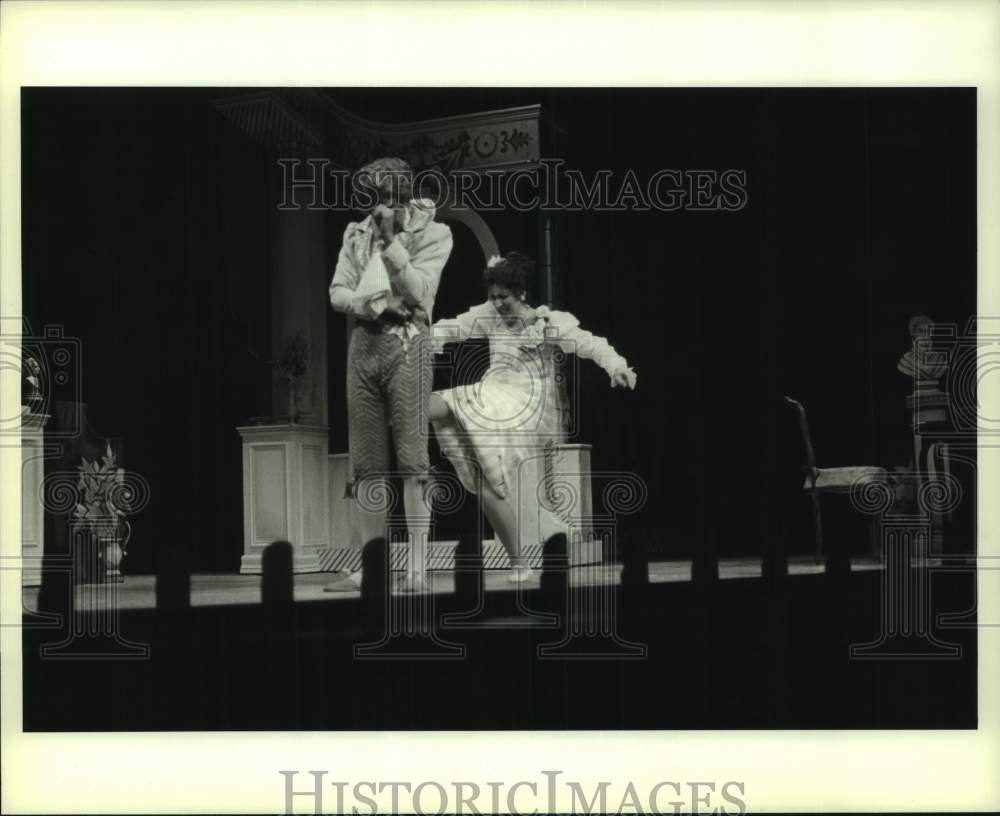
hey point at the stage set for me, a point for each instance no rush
(792, 474)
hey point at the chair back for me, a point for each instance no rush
(800, 411)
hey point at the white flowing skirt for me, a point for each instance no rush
(496, 424)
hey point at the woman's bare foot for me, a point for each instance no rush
(520, 572)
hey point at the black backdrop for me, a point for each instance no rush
(145, 234)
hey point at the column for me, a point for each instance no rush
(299, 282)
(32, 509)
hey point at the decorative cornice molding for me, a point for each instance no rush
(284, 119)
(271, 122)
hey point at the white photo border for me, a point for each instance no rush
(684, 44)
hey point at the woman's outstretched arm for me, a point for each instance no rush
(565, 329)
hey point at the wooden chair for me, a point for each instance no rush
(829, 480)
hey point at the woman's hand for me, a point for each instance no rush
(623, 378)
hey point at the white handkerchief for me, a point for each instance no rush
(374, 287)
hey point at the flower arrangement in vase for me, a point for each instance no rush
(103, 508)
(293, 364)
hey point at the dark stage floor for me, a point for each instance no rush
(562, 653)
(213, 589)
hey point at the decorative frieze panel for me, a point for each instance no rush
(311, 120)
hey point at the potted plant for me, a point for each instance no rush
(293, 364)
(102, 510)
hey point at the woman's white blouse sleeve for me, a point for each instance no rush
(565, 330)
(456, 329)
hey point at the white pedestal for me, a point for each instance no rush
(286, 493)
(558, 480)
(32, 508)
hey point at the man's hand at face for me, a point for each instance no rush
(389, 222)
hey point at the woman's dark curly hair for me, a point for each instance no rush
(512, 272)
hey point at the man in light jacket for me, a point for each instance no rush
(387, 276)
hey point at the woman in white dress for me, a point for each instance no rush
(513, 411)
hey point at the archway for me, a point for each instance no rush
(474, 221)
